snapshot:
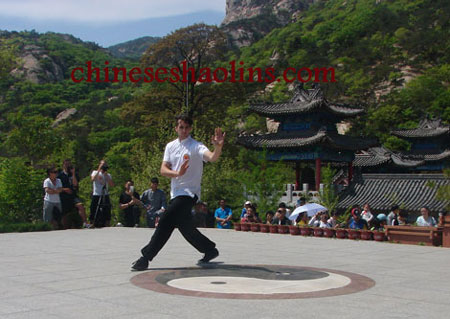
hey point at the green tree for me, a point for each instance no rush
(21, 191)
(328, 197)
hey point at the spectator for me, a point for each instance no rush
(199, 215)
(402, 218)
(381, 222)
(210, 218)
(332, 220)
(154, 201)
(250, 216)
(128, 203)
(223, 215)
(269, 217)
(315, 220)
(283, 205)
(244, 210)
(280, 217)
(302, 219)
(426, 219)
(324, 221)
(356, 222)
(69, 199)
(52, 203)
(301, 201)
(100, 215)
(367, 215)
(395, 210)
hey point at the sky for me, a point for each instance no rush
(108, 22)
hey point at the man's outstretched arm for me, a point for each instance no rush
(217, 140)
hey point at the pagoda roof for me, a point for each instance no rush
(376, 156)
(305, 101)
(298, 139)
(426, 128)
(381, 191)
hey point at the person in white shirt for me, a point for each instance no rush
(426, 219)
(367, 215)
(183, 163)
(100, 215)
(52, 187)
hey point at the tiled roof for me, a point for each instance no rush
(427, 128)
(381, 191)
(379, 155)
(305, 138)
(305, 101)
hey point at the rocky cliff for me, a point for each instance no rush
(246, 21)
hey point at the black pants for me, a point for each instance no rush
(100, 210)
(179, 215)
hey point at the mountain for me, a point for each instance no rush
(247, 21)
(132, 49)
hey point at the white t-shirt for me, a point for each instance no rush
(99, 183)
(190, 183)
(53, 198)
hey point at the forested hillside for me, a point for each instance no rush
(391, 57)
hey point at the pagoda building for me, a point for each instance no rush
(430, 151)
(307, 133)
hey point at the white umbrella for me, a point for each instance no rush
(311, 209)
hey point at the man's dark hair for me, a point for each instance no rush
(155, 180)
(394, 207)
(50, 169)
(185, 118)
(282, 205)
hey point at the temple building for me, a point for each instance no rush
(409, 179)
(430, 151)
(308, 134)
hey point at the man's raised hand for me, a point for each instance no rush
(218, 138)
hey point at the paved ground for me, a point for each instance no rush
(85, 274)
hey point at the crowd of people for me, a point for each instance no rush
(61, 197)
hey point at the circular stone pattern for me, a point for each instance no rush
(217, 280)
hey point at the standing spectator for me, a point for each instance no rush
(69, 199)
(393, 215)
(223, 215)
(250, 216)
(301, 201)
(280, 217)
(199, 215)
(367, 215)
(129, 204)
(154, 201)
(210, 219)
(100, 215)
(52, 202)
(426, 219)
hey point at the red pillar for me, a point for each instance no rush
(297, 176)
(318, 166)
(350, 172)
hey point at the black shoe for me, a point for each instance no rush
(210, 255)
(140, 264)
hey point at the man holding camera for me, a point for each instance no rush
(101, 205)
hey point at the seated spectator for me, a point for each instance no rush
(244, 210)
(324, 221)
(332, 220)
(223, 215)
(402, 219)
(288, 211)
(426, 219)
(356, 222)
(280, 217)
(250, 216)
(315, 220)
(395, 210)
(367, 215)
(380, 222)
(269, 217)
(302, 219)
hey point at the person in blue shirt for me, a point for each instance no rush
(223, 215)
(356, 222)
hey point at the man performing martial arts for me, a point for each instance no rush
(183, 163)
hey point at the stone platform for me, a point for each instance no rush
(86, 274)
